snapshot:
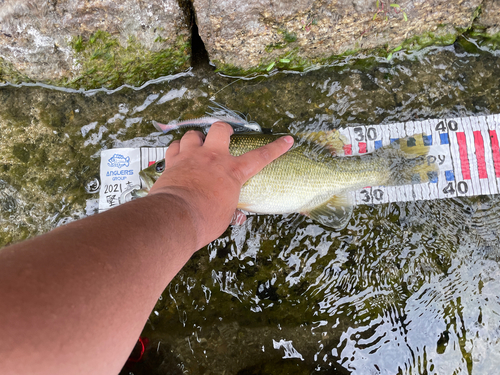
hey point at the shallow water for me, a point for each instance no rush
(405, 288)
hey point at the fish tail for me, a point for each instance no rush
(409, 163)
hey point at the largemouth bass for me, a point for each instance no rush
(309, 180)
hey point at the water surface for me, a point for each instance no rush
(404, 288)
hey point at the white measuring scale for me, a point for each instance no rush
(466, 151)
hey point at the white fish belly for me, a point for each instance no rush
(295, 183)
(265, 194)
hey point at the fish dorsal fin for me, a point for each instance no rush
(332, 140)
(334, 213)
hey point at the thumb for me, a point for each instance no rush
(252, 162)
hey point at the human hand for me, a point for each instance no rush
(203, 174)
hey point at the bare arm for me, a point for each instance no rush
(75, 300)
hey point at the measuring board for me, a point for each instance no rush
(466, 151)
(120, 169)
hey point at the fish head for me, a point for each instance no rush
(150, 174)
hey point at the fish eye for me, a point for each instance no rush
(160, 166)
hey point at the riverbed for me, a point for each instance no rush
(409, 287)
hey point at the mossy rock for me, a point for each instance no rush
(106, 63)
(292, 60)
(9, 74)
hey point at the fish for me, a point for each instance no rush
(118, 161)
(238, 121)
(309, 178)
(203, 124)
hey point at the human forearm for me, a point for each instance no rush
(79, 296)
(75, 300)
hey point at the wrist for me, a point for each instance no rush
(174, 206)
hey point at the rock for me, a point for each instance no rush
(290, 34)
(92, 43)
(490, 17)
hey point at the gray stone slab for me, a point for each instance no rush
(248, 34)
(39, 38)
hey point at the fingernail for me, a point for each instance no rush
(288, 139)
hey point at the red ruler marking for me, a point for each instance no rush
(362, 147)
(496, 152)
(151, 163)
(464, 160)
(348, 149)
(481, 161)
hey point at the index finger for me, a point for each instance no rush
(252, 162)
(219, 135)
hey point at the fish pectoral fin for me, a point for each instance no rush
(243, 206)
(334, 213)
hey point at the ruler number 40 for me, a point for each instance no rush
(444, 126)
(462, 188)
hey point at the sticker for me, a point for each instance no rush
(120, 169)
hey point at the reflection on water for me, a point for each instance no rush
(404, 288)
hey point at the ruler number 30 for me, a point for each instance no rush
(376, 194)
(371, 134)
(444, 126)
(462, 188)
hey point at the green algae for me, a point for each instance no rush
(484, 38)
(287, 39)
(292, 60)
(9, 74)
(106, 63)
(289, 60)
(438, 38)
(287, 36)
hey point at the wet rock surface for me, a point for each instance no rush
(490, 17)
(92, 44)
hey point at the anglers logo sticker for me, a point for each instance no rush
(119, 161)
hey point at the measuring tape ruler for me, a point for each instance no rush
(150, 155)
(466, 151)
